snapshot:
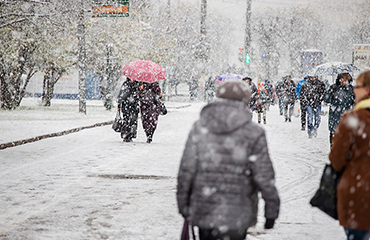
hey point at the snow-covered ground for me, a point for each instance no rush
(91, 185)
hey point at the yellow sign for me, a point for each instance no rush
(361, 56)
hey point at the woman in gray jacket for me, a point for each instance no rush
(224, 165)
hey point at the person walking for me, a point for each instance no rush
(270, 90)
(349, 155)
(252, 104)
(210, 89)
(262, 100)
(150, 107)
(278, 90)
(340, 98)
(302, 104)
(224, 165)
(287, 93)
(128, 105)
(313, 93)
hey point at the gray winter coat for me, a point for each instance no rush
(224, 165)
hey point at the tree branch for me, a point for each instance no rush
(13, 22)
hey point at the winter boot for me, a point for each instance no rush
(149, 135)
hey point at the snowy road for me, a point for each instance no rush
(90, 185)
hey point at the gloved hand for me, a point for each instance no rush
(269, 223)
(185, 212)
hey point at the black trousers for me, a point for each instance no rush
(303, 115)
(215, 234)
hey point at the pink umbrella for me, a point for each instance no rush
(144, 71)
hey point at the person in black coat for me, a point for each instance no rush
(254, 96)
(313, 93)
(278, 90)
(287, 93)
(270, 90)
(340, 98)
(128, 104)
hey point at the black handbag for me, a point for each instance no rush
(325, 197)
(117, 123)
(163, 109)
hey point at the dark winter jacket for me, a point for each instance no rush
(224, 165)
(128, 99)
(270, 89)
(350, 154)
(278, 88)
(312, 93)
(340, 99)
(150, 106)
(128, 102)
(287, 92)
(254, 95)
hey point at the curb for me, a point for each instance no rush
(34, 139)
(58, 134)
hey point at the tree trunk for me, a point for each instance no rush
(22, 92)
(81, 61)
(51, 77)
(11, 78)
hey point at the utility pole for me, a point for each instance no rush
(248, 38)
(165, 84)
(203, 16)
(81, 59)
(109, 87)
(169, 8)
(204, 48)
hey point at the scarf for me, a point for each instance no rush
(363, 104)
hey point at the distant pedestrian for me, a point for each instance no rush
(128, 104)
(270, 90)
(303, 104)
(193, 87)
(278, 90)
(287, 93)
(313, 93)
(224, 165)
(340, 98)
(254, 95)
(210, 89)
(262, 100)
(150, 107)
(349, 155)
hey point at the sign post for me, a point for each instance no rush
(110, 8)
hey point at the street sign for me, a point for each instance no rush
(110, 8)
(361, 56)
(263, 54)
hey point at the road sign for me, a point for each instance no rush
(110, 8)
(263, 54)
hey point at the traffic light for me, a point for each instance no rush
(247, 59)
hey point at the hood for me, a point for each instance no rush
(223, 116)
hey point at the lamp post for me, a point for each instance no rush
(248, 38)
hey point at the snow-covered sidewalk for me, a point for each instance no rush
(91, 185)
